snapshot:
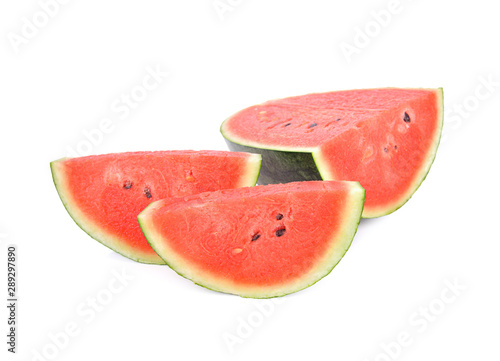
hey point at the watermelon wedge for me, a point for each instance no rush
(105, 193)
(384, 138)
(259, 242)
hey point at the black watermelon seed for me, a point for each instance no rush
(147, 192)
(386, 149)
(313, 125)
(127, 184)
(280, 232)
(279, 216)
(337, 119)
(407, 118)
(256, 237)
(395, 147)
(287, 124)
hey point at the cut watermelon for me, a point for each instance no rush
(260, 242)
(105, 193)
(384, 138)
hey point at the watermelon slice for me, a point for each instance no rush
(384, 138)
(259, 242)
(105, 193)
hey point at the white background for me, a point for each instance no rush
(62, 80)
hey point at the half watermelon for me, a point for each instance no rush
(105, 193)
(259, 242)
(384, 138)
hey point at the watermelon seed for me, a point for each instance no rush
(313, 125)
(279, 216)
(147, 192)
(280, 232)
(407, 118)
(337, 119)
(386, 149)
(287, 124)
(395, 147)
(127, 184)
(255, 237)
(189, 176)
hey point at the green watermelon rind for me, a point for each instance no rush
(307, 163)
(346, 236)
(87, 225)
(109, 240)
(280, 166)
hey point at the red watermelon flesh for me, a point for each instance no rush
(260, 242)
(105, 193)
(384, 138)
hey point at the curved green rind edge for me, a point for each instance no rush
(86, 225)
(305, 165)
(253, 171)
(104, 239)
(349, 232)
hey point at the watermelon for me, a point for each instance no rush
(259, 242)
(384, 138)
(105, 193)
